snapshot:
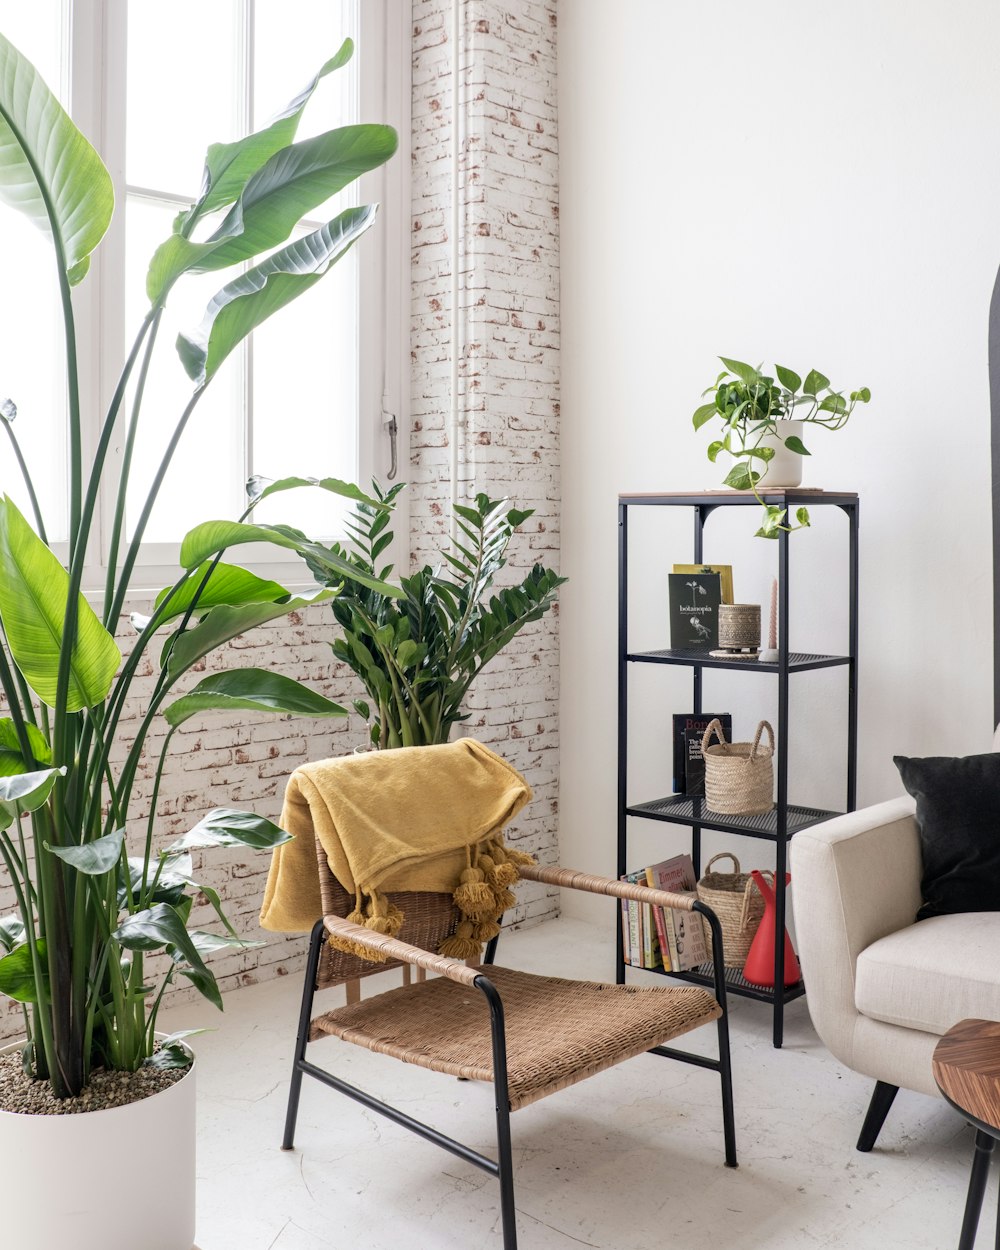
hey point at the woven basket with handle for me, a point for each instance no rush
(739, 776)
(735, 899)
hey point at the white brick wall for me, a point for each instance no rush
(509, 314)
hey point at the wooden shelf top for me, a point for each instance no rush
(814, 493)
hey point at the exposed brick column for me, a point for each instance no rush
(508, 318)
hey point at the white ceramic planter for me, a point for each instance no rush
(786, 467)
(120, 1179)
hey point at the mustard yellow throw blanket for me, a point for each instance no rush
(414, 818)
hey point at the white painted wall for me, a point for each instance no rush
(813, 182)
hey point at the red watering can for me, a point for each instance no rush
(759, 967)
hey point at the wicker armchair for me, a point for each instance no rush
(529, 1035)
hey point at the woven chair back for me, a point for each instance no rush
(429, 919)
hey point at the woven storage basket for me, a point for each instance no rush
(738, 903)
(739, 776)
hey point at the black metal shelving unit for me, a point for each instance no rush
(780, 824)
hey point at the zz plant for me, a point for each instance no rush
(419, 648)
(750, 404)
(90, 904)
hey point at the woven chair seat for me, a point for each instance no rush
(558, 1031)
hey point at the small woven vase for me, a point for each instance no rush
(739, 626)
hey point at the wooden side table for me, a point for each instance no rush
(966, 1066)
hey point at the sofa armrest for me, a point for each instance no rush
(855, 879)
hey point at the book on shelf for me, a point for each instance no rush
(694, 600)
(689, 763)
(639, 933)
(725, 572)
(685, 933)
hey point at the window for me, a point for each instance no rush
(305, 394)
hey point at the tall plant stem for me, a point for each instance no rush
(28, 484)
(118, 524)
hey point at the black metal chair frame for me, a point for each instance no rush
(502, 1167)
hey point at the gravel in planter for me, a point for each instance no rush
(20, 1094)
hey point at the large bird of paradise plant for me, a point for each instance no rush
(89, 905)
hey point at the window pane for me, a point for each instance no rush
(305, 388)
(32, 366)
(205, 479)
(183, 89)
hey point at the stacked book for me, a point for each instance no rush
(661, 938)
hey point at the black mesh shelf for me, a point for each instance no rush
(681, 809)
(736, 983)
(798, 661)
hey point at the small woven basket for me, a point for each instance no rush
(735, 899)
(739, 776)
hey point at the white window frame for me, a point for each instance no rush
(97, 45)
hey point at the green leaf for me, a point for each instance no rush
(715, 448)
(25, 792)
(211, 537)
(251, 690)
(794, 443)
(34, 588)
(773, 518)
(226, 584)
(229, 165)
(12, 761)
(833, 403)
(362, 708)
(746, 373)
(48, 170)
(17, 974)
(168, 1057)
(864, 395)
(259, 488)
(92, 858)
(788, 378)
(250, 299)
(158, 927)
(802, 516)
(760, 453)
(12, 932)
(740, 477)
(225, 827)
(815, 382)
(705, 413)
(225, 622)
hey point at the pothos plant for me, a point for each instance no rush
(419, 648)
(92, 899)
(750, 404)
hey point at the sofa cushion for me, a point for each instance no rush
(929, 976)
(957, 803)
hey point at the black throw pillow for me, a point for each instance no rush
(958, 816)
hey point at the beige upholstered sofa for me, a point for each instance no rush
(881, 990)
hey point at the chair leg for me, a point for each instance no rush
(726, 1075)
(302, 1037)
(505, 1162)
(977, 1189)
(878, 1109)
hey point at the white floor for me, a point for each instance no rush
(629, 1160)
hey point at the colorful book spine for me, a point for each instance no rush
(661, 927)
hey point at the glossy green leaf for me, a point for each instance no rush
(788, 378)
(155, 928)
(746, 373)
(802, 516)
(251, 690)
(48, 169)
(228, 166)
(25, 792)
(169, 1057)
(211, 537)
(740, 477)
(225, 827)
(259, 488)
(815, 382)
(794, 443)
(12, 761)
(292, 183)
(225, 622)
(714, 449)
(705, 413)
(250, 299)
(12, 932)
(222, 584)
(95, 858)
(17, 974)
(34, 588)
(760, 453)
